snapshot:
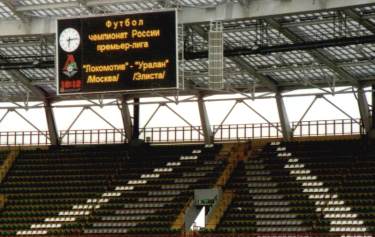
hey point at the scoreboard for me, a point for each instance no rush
(117, 53)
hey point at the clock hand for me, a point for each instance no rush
(69, 39)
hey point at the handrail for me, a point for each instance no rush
(188, 134)
(8, 163)
(3, 200)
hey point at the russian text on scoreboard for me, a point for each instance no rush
(117, 53)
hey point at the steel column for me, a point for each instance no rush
(205, 122)
(135, 119)
(373, 104)
(364, 110)
(126, 119)
(284, 120)
(51, 123)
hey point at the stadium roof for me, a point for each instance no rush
(270, 45)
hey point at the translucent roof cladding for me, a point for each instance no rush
(40, 74)
(279, 59)
(292, 67)
(365, 71)
(331, 30)
(303, 75)
(250, 32)
(366, 10)
(5, 12)
(44, 8)
(5, 76)
(323, 25)
(200, 2)
(12, 90)
(129, 6)
(41, 2)
(25, 53)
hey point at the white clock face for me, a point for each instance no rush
(69, 40)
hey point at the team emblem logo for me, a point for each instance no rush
(70, 66)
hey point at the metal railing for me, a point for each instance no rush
(188, 134)
(172, 134)
(24, 138)
(98, 136)
(327, 128)
(247, 131)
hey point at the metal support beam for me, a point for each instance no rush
(205, 122)
(284, 120)
(364, 22)
(71, 125)
(182, 118)
(368, 119)
(126, 119)
(224, 11)
(242, 64)
(106, 121)
(18, 76)
(30, 123)
(51, 123)
(12, 7)
(339, 109)
(261, 116)
(373, 104)
(304, 114)
(226, 116)
(364, 110)
(264, 50)
(318, 55)
(83, 4)
(136, 111)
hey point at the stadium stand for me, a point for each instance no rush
(267, 199)
(305, 187)
(103, 189)
(156, 190)
(321, 187)
(340, 181)
(98, 96)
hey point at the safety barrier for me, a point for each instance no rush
(189, 134)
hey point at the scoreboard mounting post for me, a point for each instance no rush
(117, 53)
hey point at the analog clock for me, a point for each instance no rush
(69, 40)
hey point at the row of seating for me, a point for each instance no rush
(304, 186)
(266, 199)
(168, 188)
(96, 189)
(346, 169)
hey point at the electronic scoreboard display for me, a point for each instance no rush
(117, 53)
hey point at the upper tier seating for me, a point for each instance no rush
(345, 170)
(304, 186)
(103, 189)
(266, 199)
(155, 190)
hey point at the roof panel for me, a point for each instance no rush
(5, 12)
(304, 76)
(39, 74)
(279, 59)
(361, 70)
(331, 30)
(286, 68)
